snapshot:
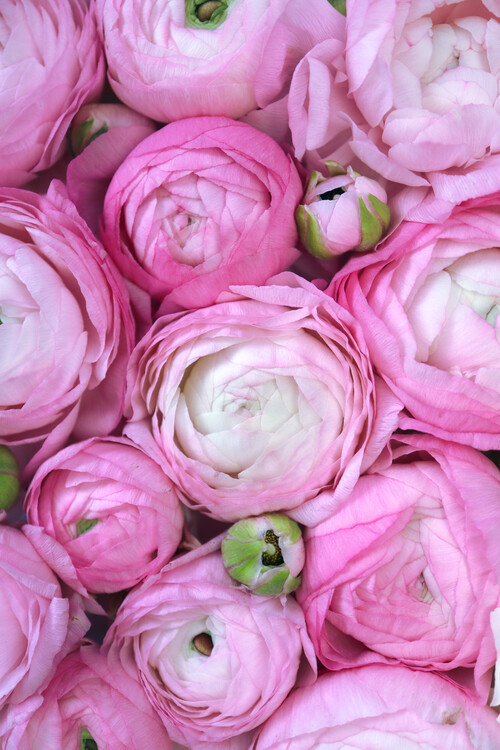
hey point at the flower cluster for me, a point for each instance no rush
(250, 374)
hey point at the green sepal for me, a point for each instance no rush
(334, 168)
(382, 209)
(85, 524)
(234, 553)
(278, 584)
(9, 478)
(339, 5)
(371, 228)
(87, 742)
(310, 233)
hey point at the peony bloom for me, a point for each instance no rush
(199, 205)
(379, 707)
(264, 402)
(179, 58)
(66, 328)
(428, 303)
(51, 62)
(215, 661)
(342, 213)
(36, 625)
(409, 571)
(87, 706)
(112, 509)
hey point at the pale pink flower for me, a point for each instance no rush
(265, 402)
(428, 303)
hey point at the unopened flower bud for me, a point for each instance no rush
(265, 554)
(342, 212)
(9, 478)
(93, 120)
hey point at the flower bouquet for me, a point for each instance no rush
(250, 374)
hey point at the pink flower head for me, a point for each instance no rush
(215, 661)
(264, 402)
(428, 303)
(411, 92)
(172, 59)
(111, 507)
(409, 570)
(199, 205)
(87, 705)
(35, 619)
(66, 328)
(380, 707)
(51, 62)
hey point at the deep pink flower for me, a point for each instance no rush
(112, 509)
(200, 205)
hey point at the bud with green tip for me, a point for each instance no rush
(95, 119)
(9, 478)
(265, 554)
(342, 212)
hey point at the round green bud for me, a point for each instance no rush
(265, 554)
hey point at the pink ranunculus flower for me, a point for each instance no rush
(409, 570)
(412, 93)
(112, 509)
(379, 707)
(264, 402)
(215, 660)
(428, 303)
(35, 624)
(51, 62)
(66, 330)
(88, 706)
(179, 58)
(199, 205)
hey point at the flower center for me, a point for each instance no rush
(272, 555)
(203, 643)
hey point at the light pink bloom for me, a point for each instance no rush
(199, 205)
(379, 707)
(51, 62)
(86, 700)
(428, 303)
(409, 571)
(66, 326)
(35, 619)
(167, 63)
(264, 402)
(215, 660)
(415, 96)
(111, 507)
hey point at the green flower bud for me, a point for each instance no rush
(265, 554)
(9, 478)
